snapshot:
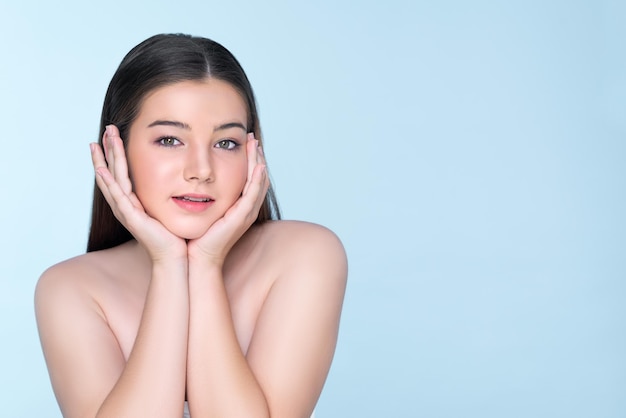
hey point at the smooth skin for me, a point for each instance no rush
(240, 320)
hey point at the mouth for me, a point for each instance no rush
(194, 203)
(193, 199)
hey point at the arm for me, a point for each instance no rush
(295, 336)
(153, 379)
(294, 339)
(219, 380)
(88, 371)
(296, 333)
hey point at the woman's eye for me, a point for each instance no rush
(226, 144)
(168, 141)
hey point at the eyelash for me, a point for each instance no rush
(161, 141)
(232, 144)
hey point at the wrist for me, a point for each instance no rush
(203, 259)
(167, 256)
(205, 263)
(170, 262)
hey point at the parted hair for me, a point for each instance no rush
(156, 62)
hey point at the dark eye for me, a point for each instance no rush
(169, 141)
(226, 144)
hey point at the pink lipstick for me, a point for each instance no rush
(194, 202)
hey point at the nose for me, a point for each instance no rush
(198, 165)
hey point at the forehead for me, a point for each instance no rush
(194, 102)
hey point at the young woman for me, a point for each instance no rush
(192, 298)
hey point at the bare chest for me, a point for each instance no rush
(124, 301)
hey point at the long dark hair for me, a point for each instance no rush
(158, 61)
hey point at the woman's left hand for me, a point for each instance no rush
(215, 244)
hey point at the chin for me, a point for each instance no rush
(189, 232)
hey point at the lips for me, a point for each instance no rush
(194, 199)
(194, 202)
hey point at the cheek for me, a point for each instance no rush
(140, 187)
(243, 174)
(145, 177)
(238, 176)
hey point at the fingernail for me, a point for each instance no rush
(108, 129)
(91, 147)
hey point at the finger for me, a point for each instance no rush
(109, 157)
(251, 152)
(263, 185)
(263, 181)
(99, 163)
(120, 202)
(262, 162)
(261, 156)
(120, 168)
(257, 171)
(252, 200)
(97, 156)
(253, 145)
(260, 177)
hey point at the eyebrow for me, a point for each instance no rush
(182, 125)
(173, 123)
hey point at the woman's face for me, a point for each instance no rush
(187, 154)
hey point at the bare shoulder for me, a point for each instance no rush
(296, 331)
(308, 256)
(305, 241)
(66, 279)
(74, 275)
(63, 293)
(83, 278)
(77, 340)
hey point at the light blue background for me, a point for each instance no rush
(471, 156)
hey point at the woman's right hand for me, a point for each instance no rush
(114, 182)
